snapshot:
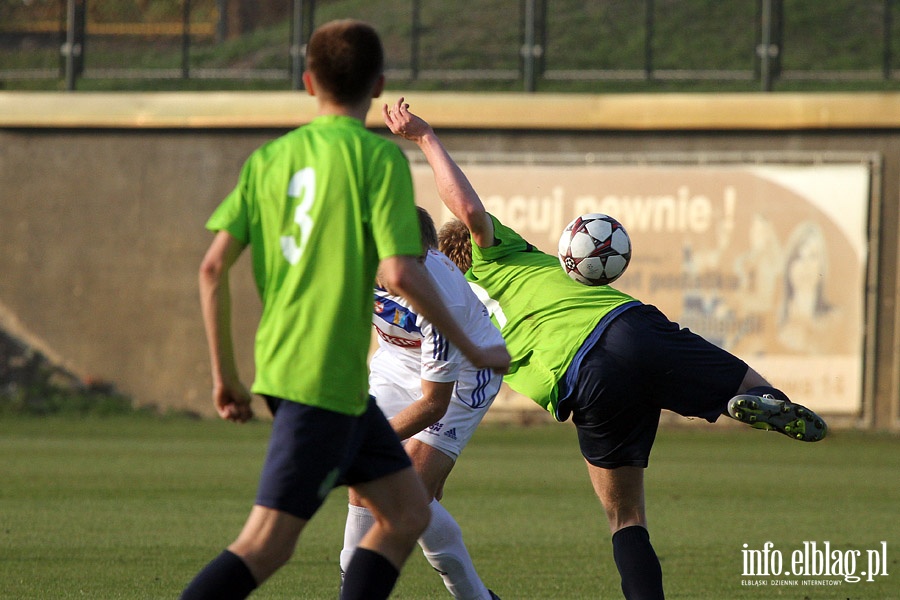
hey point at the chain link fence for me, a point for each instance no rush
(518, 45)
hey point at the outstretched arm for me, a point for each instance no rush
(453, 186)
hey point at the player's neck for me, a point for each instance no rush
(357, 111)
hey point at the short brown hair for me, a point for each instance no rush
(427, 230)
(455, 241)
(346, 58)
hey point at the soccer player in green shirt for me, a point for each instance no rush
(598, 355)
(322, 208)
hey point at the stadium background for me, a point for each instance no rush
(105, 193)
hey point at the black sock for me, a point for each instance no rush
(369, 576)
(637, 563)
(762, 390)
(226, 577)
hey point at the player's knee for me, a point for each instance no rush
(407, 524)
(420, 520)
(411, 523)
(279, 557)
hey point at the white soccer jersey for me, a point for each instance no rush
(411, 349)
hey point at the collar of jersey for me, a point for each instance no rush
(333, 119)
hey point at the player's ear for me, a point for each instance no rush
(379, 87)
(308, 83)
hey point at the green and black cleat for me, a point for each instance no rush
(768, 413)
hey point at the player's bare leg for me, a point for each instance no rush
(432, 465)
(400, 507)
(621, 491)
(267, 540)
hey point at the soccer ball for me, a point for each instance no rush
(594, 249)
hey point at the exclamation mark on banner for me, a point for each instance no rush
(729, 201)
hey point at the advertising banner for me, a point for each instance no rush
(765, 260)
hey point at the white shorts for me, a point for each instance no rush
(453, 431)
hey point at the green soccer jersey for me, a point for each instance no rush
(544, 315)
(319, 207)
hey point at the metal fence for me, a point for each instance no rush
(527, 45)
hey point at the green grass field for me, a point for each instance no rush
(132, 507)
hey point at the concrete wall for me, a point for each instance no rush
(103, 198)
(102, 235)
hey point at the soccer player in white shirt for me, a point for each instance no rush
(434, 398)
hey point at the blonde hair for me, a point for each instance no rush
(455, 241)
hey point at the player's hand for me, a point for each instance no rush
(403, 123)
(233, 402)
(495, 358)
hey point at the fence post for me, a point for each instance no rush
(296, 43)
(73, 48)
(766, 50)
(888, 21)
(530, 49)
(185, 39)
(301, 28)
(414, 32)
(648, 40)
(222, 23)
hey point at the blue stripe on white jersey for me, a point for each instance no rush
(441, 347)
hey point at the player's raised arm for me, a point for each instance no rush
(453, 186)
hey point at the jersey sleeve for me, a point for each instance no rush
(441, 360)
(233, 213)
(507, 242)
(394, 220)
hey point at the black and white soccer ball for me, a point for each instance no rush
(594, 249)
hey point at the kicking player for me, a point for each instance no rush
(322, 208)
(599, 355)
(434, 398)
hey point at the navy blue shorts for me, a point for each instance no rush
(312, 450)
(644, 363)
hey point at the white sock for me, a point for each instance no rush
(443, 546)
(359, 521)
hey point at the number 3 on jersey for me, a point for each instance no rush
(303, 188)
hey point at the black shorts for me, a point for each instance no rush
(644, 363)
(312, 450)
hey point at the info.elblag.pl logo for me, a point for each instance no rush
(812, 564)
